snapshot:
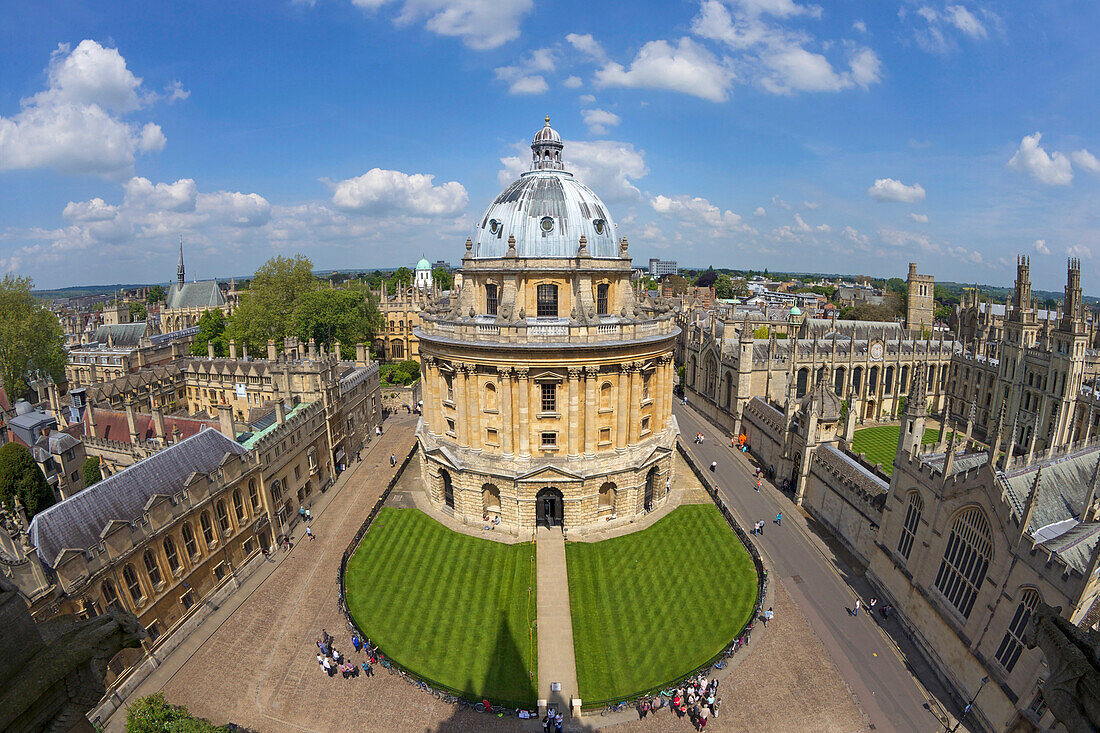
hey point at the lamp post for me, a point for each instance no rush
(970, 704)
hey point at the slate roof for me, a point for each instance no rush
(204, 294)
(963, 461)
(121, 334)
(77, 522)
(112, 425)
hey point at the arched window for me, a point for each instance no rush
(253, 495)
(903, 383)
(888, 381)
(132, 585)
(872, 379)
(605, 396)
(450, 380)
(491, 302)
(801, 385)
(152, 568)
(170, 554)
(223, 515)
(1013, 643)
(607, 497)
(965, 560)
(207, 528)
(547, 300)
(838, 381)
(238, 506)
(490, 396)
(110, 597)
(857, 379)
(601, 298)
(645, 385)
(912, 520)
(490, 498)
(189, 544)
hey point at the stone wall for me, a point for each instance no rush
(846, 498)
(764, 425)
(396, 398)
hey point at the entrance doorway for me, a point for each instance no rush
(549, 508)
(650, 480)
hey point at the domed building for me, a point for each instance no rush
(422, 279)
(547, 385)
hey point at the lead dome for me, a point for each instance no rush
(547, 210)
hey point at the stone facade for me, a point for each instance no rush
(547, 386)
(919, 300)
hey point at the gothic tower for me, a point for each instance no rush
(919, 303)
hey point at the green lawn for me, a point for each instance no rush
(881, 444)
(650, 606)
(456, 609)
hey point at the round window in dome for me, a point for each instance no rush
(494, 226)
(599, 224)
(547, 224)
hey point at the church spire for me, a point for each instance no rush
(179, 268)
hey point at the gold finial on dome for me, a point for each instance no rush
(547, 119)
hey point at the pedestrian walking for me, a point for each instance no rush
(309, 517)
(393, 459)
(779, 519)
(871, 606)
(855, 610)
(768, 615)
(301, 512)
(713, 465)
(559, 720)
(761, 532)
(309, 533)
(368, 670)
(356, 643)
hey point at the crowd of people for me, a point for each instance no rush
(332, 662)
(696, 699)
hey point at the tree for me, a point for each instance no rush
(678, 283)
(266, 310)
(740, 288)
(32, 343)
(137, 311)
(706, 279)
(442, 278)
(902, 402)
(402, 372)
(90, 471)
(349, 316)
(153, 714)
(212, 329)
(20, 477)
(402, 278)
(156, 295)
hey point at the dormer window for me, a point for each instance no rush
(494, 226)
(599, 224)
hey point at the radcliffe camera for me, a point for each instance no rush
(442, 366)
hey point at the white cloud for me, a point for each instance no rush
(1080, 251)
(697, 211)
(141, 193)
(520, 82)
(1041, 247)
(812, 205)
(542, 59)
(781, 203)
(1052, 170)
(481, 24)
(686, 67)
(587, 99)
(853, 235)
(965, 21)
(888, 189)
(587, 45)
(608, 167)
(387, 191)
(95, 210)
(175, 92)
(860, 26)
(801, 225)
(598, 120)
(759, 211)
(572, 82)
(75, 124)
(1084, 159)
(919, 218)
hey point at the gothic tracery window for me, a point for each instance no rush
(965, 560)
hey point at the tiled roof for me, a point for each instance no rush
(205, 294)
(1063, 487)
(77, 521)
(1075, 546)
(257, 436)
(112, 425)
(121, 334)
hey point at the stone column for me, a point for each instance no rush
(635, 430)
(432, 403)
(524, 422)
(463, 431)
(622, 409)
(664, 390)
(535, 409)
(574, 427)
(591, 429)
(505, 376)
(474, 416)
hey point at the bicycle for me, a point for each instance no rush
(720, 664)
(615, 707)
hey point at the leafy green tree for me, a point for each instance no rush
(153, 714)
(137, 311)
(20, 477)
(706, 279)
(678, 283)
(723, 287)
(32, 343)
(442, 278)
(212, 329)
(91, 472)
(266, 310)
(740, 288)
(349, 316)
(402, 278)
(402, 372)
(156, 294)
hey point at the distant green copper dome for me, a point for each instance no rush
(796, 311)
(423, 264)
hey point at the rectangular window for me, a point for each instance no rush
(549, 440)
(547, 301)
(450, 387)
(601, 299)
(154, 631)
(491, 299)
(248, 545)
(605, 435)
(219, 571)
(187, 600)
(297, 473)
(491, 436)
(450, 427)
(645, 425)
(549, 397)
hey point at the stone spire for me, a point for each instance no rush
(179, 268)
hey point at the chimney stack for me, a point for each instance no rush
(225, 421)
(89, 418)
(361, 354)
(244, 350)
(232, 349)
(271, 354)
(280, 412)
(210, 349)
(158, 423)
(131, 421)
(338, 354)
(312, 349)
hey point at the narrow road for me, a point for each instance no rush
(821, 584)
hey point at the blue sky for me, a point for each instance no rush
(750, 133)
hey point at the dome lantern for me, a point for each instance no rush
(546, 149)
